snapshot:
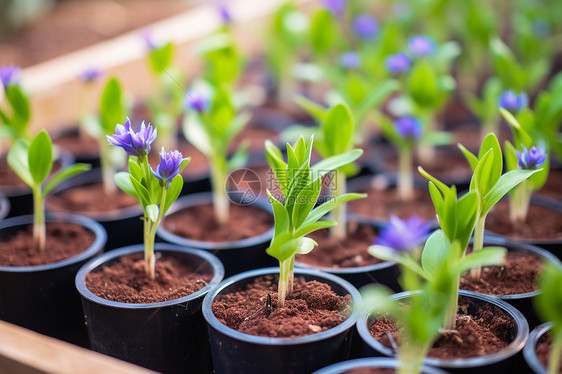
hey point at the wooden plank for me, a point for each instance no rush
(26, 352)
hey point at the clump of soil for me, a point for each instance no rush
(311, 308)
(64, 240)
(383, 203)
(90, 198)
(125, 280)
(483, 331)
(198, 223)
(351, 252)
(542, 222)
(543, 350)
(518, 275)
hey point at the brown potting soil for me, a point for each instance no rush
(476, 334)
(254, 138)
(553, 184)
(198, 223)
(89, 198)
(9, 178)
(382, 203)
(518, 275)
(78, 144)
(448, 165)
(125, 280)
(543, 350)
(311, 308)
(350, 252)
(542, 222)
(64, 240)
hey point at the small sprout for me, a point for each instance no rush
(531, 159)
(512, 102)
(9, 75)
(409, 127)
(169, 166)
(350, 60)
(365, 26)
(136, 144)
(89, 75)
(335, 6)
(403, 235)
(398, 63)
(421, 46)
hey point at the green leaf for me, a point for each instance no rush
(194, 131)
(40, 157)
(123, 181)
(549, 302)
(377, 300)
(442, 186)
(174, 190)
(279, 167)
(306, 200)
(505, 184)
(338, 130)
(389, 254)
(323, 209)
(322, 31)
(111, 106)
(332, 163)
(302, 245)
(20, 107)
(152, 211)
(282, 221)
(160, 58)
(423, 85)
(489, 256)
(317, 111)
(435, 252)
(64, 175)
(307, 229)
(18, 160)
(470, 157)
(141, 191)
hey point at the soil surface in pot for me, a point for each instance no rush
(350, 252)
(311, 308)
(483, 332)
(125, 280)
(64, 240)
(552, 186)
(9, 178)
(80, 145)
(254, 137)
(198, 223)
(542, 222)
(383, 203)
(518, 275)
(89, 198)
(543, 350)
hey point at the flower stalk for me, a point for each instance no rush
(39, 227)
(339, 213)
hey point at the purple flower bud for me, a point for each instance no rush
(225, 15)
(9, 75)
(134, 143)
(408, 127)
(89, 75)
(403, 235)
(398, 63)
(335, 6)
(531, 159)
(350, 60)
(197, 101)
(169, 166)
(365, 26)
(146, 36)
(512, 102)
(421, 46)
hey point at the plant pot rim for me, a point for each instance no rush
(203, 198)
(513, 245)
(80, 280)
(506, 352)
(372, 363)
(5, 206)
(271, 341)
(90, 177)
(530, 353)
(98, 244)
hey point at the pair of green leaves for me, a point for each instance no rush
(301, 184)
(18, 120)
(487, 180)
(33, 162)
(486, 106)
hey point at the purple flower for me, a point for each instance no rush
(134, 143)
(9, 75)
(365, 26)
(197, 101)
(169, 165)
(408, 127)
(403, 235)
(421, 46)
(350, 60)
(146, 36)
(225, 15)
(334, 6)
(398, 63)
(512, 102)
(531, 159)
(89, 75)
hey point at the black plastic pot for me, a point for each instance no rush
(236, 256)
(381, 181)
(42, 297)
(371, 363)
(123, 226)
(530, 350)
(503, 361)
(523, 302)
(4, 206)
(168, 336)
(236, 352)
(21, 199)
